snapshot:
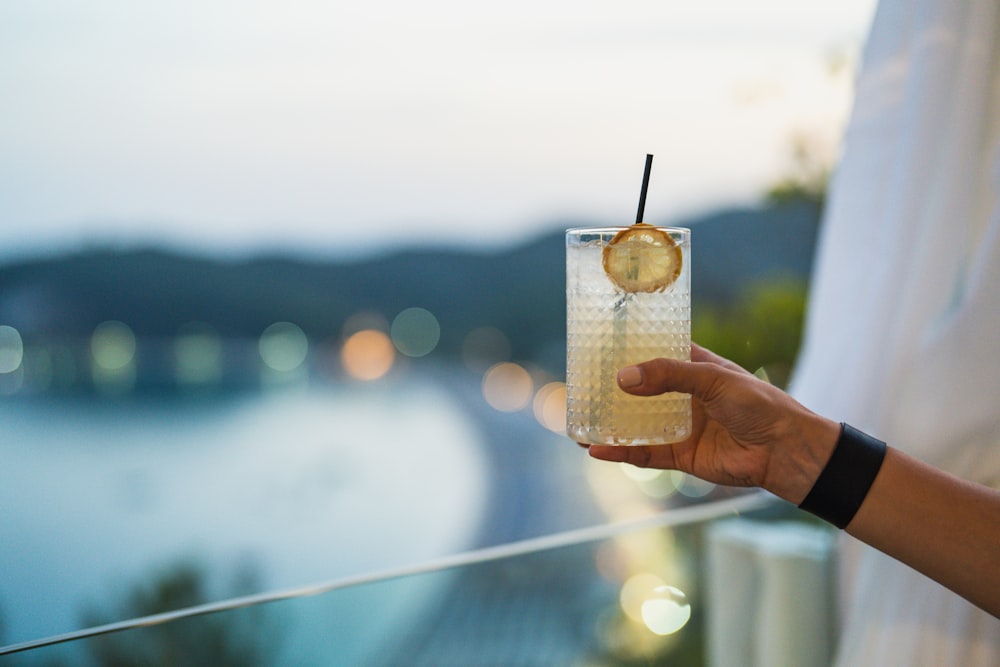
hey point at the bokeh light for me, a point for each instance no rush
(197, 354)
(549, 406)
(112, 353)
(283, 346)
(653, 482)
(507, 387)
(689, 485)
(11, 349)
(415, 332)
(635, 591)
(666, 610)
(646, 599)
(112, 346)
(367, 355)
(483, 347)
(637, 474)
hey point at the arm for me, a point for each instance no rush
(749, 433)
(940, 525)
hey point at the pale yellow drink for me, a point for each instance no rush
(610, 326)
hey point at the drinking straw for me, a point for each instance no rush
(645, 186)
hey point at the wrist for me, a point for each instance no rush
(811, 444)
(845, 480)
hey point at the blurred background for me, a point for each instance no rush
(282, 301)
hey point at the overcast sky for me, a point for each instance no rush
(331, 126)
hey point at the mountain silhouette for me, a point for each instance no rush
(520, 290)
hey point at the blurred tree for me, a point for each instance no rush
(814, 152)
(236, 638)
(809, 175)
(761, 332)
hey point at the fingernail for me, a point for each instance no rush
(630, 376)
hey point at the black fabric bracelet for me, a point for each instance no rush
(842, 486)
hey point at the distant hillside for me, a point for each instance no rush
(734, 249)
(519, 290)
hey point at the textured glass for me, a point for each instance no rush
(608, 329)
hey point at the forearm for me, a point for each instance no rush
(749, 433)
(942, 526)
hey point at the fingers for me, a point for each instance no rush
(699, 353)
(642, 456)
(658, 376)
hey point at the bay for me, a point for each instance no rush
(281, 488)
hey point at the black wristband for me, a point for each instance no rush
(842, 486)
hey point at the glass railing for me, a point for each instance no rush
(341, 524)
(620, 593)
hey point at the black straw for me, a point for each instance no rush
(645, 186)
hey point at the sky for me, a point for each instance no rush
(336, 128)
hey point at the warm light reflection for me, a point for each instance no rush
(11, 349)
(653, 482)
(507, 387)
(637, 474)
(635, 591)
(483, 347)
(197, 354)
(616, 494)
(550, 406)
(367, 355)
(415, 332)
(689, 485)
(659, 487)
(666, 610)
(642, 562)
(646, 599)
(283, 346)
(610, 562)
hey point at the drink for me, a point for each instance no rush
(622, 309)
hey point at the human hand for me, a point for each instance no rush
(745, 432)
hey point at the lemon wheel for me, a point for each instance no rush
(642, 258)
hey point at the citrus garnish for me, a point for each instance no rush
(642, 258)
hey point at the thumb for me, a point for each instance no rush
(658, 376)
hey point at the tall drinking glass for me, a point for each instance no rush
(627, 301)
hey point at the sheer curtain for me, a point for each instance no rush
(903, 331)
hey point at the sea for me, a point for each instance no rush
(254, 492)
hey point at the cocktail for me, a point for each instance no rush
(628, 300)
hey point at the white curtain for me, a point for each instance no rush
(903, 331)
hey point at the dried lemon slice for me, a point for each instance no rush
(642, 258)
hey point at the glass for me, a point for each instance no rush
(607, 329)
(206, 498)
(634, 592)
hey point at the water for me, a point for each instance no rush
(289, 488)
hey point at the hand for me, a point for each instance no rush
(749, 433)
(745, 432)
